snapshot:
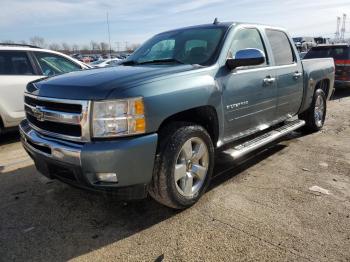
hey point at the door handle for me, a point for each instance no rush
(297, 75)
(268, 80)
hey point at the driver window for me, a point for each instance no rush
(246, 38)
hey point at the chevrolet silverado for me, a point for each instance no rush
(153, 124)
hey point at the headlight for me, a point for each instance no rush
(118, 118)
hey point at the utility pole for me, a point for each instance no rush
(337, 33)
(109, 38)
(343, 29)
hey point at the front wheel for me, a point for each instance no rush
(315, 115)
(183, 167)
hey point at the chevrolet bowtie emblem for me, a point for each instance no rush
(38, 113)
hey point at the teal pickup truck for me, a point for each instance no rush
(153, 124)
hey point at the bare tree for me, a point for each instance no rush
(75, 48)
(132, 47)
(104, 47)
(66, 47)
(95, 46)
(85, 48)
(54, 46)
(8, 42)
(37, 41)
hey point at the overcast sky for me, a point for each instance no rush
(78, 21)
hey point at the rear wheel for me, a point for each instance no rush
(316, 114)
(183, 167)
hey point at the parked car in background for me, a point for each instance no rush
(95, 57)
(106, 62)
(87, 59)
(123, 55)
(303, 44)
(341, 55)
(21, 64)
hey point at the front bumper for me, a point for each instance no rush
(132, 159)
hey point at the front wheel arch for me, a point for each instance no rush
(205, 116)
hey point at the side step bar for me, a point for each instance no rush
(260, 141)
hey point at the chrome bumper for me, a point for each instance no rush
(50, 147)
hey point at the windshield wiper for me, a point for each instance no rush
(168, 60)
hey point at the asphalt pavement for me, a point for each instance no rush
(287, 202)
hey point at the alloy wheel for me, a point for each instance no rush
(191, 167)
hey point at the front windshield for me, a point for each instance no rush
(187, 46)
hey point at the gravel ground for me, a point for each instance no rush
(290, 201)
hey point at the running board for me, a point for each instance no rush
(260, 141)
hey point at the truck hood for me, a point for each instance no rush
(97, 84)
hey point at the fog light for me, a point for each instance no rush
(107, 177)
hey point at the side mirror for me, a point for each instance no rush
(246, 57)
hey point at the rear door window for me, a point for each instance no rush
(52, 64)
(15, 63)
(281, 47)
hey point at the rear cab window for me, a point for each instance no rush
(15, 63)
(281, 47)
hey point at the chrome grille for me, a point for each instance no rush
(61, 118)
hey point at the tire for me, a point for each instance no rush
(315, 115)
(183, 166)
(1, 127)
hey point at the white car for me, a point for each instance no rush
(106, 62)
(21, 64)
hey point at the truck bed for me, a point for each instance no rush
(316, 70)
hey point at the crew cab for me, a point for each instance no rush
(21, 64)
(153, 124)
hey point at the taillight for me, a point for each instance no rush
(342, 62)
(342, 70)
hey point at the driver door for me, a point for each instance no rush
(249, 95)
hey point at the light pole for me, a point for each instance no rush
(109, 38)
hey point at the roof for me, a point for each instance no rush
(220, 25)
(4, 47)
(19, 47)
